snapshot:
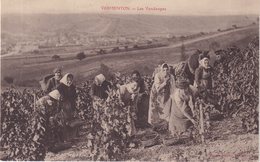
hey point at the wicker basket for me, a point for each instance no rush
(60, 147)
(149, 140)
(168, 141)
(3, 155)
(193, 62)
(184, 138)
(76, 123)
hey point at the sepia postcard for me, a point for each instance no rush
(129, 80)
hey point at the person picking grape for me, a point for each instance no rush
(142, 103)
(49, 104)
(127, 94)
(181, 114)
(100, 88)
(68, 93)
(50, 99)
(203, 81)
(203, 74)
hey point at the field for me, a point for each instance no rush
(27, 70)
(110, 25)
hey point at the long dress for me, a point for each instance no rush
(142, 105)
(52, 120)
(52, 84)
(160, 101)
(182, 101)
(125, 96)
(68, 102)
(203, 78)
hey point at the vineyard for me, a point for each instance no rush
(24, 125)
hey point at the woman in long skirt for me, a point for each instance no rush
(160, 100)
(181, 115)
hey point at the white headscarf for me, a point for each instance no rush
(130, 87)
(55, 94)
(163, 65)
(100, 78)
(202, 62)
(64, 80)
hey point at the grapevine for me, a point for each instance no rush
(236, 83)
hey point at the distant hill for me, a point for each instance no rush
(98, 24)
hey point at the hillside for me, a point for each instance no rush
(98, 24)
(26, 71)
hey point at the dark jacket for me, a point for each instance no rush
(100, 91)
(142, 86)
(68, 94)
(52, 84)
(203, 77)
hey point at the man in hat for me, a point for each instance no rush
(54, 81)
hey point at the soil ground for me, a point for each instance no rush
(227, 142)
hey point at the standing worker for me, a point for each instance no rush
(54, 82)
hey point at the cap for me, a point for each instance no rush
(57, 70)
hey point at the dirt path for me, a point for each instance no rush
(227, 143)
(208, 37)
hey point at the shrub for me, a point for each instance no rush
(81, 56)
(36, 51)
(182, 37)
(9, 80)
(101, 51)
(55, 57)
(135, 46)
(116, 49)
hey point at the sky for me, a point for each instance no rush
(172, 7)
